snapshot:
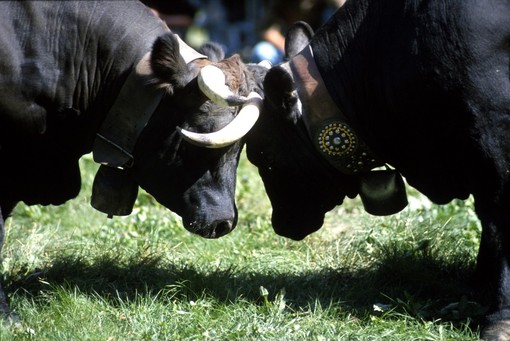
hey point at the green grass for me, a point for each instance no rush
(73, 274)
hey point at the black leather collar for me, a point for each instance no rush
(126, 119)
(132, 109)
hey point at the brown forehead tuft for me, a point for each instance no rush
(234, 70)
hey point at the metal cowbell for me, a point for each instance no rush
(113, 192)
(383, 192)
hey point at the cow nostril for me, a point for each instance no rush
(222, 228)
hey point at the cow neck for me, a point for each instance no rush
(327, 126)
(131, 111)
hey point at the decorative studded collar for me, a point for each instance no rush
(327, 126)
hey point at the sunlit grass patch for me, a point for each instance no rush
(73, 274)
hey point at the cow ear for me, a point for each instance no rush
(280, 91)
(297, 38)
(166, 62)
(213, 51)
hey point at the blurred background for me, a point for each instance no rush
(252, 28)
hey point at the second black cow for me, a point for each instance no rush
(423, 86)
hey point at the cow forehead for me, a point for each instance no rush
(233, 69)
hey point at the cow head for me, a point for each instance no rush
(301, 185)
(195, 179)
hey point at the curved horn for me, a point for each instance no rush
(232, 132)
(211, 80)
(265, 63)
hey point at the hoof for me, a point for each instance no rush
(10, 319)
(13, 320)
(497, 331)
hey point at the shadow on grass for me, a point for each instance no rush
(412, 284)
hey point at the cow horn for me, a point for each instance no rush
(211, 80)
(233, 131)
(265, 63)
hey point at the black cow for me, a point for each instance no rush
(109, 77)
(422, 86)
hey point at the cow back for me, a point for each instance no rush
(62, 63)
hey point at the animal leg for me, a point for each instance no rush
(5, 310)
(493, 265)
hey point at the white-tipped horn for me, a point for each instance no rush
(211, 80)
(187, 52)
(265, 63)
(233, 131)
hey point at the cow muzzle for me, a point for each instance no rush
(215, 229)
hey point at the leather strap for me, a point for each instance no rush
(132, 109)
(327, 126)
(125, 121)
